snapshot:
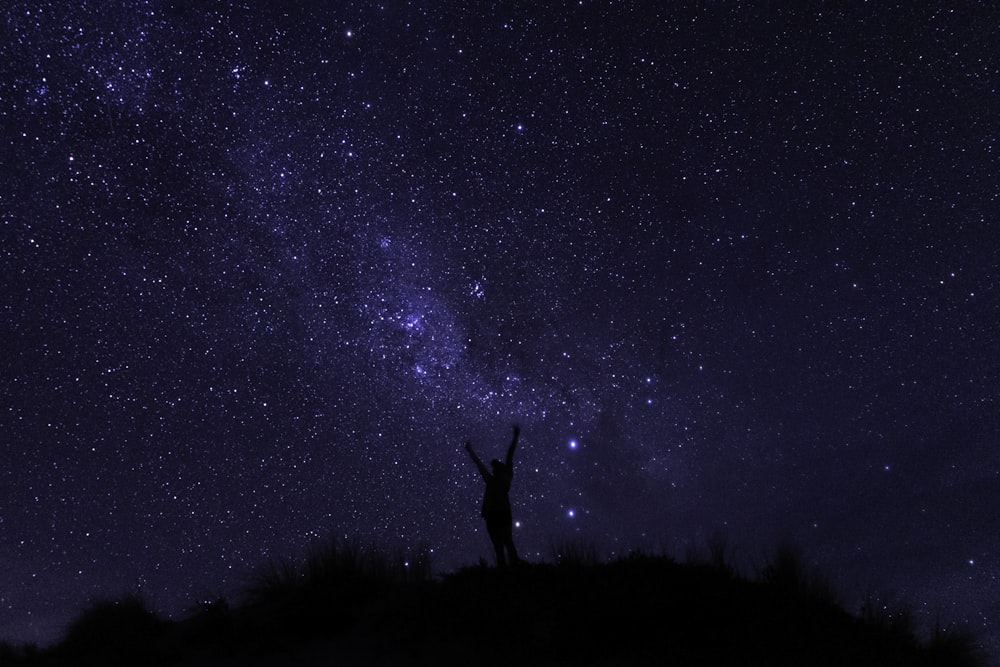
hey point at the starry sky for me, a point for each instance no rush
(731, 266)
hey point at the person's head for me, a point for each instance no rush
(498, 467)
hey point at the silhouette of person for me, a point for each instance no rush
(496, 502)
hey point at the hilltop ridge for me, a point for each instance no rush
(347, 606)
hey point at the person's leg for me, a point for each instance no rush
(497, 537)
(509, 543)
(501, 560)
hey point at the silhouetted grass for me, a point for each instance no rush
(337, 570)
(349, 604)
(720, 555)
(325, 593)
(955, 647)
(574, 552)
(787, 571)
(114, 632)
(11, 654)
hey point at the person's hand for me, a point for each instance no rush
(468, 446)
(517, 430)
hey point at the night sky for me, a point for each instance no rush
(732, 268)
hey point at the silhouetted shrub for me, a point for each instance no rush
(954, 647)
(11, 654)
(788, 572)
(209, 621)
(273, 580)
(895, 618)
(719, 553)
(113, 632)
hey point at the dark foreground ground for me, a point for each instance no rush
(642, 610)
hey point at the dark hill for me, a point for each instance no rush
(344, 609)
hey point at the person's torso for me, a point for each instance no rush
(497, 496)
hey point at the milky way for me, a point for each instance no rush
(266, 269)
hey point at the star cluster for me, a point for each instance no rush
(732, 269)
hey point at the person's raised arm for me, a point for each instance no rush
(479, 464)
(513, 446)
